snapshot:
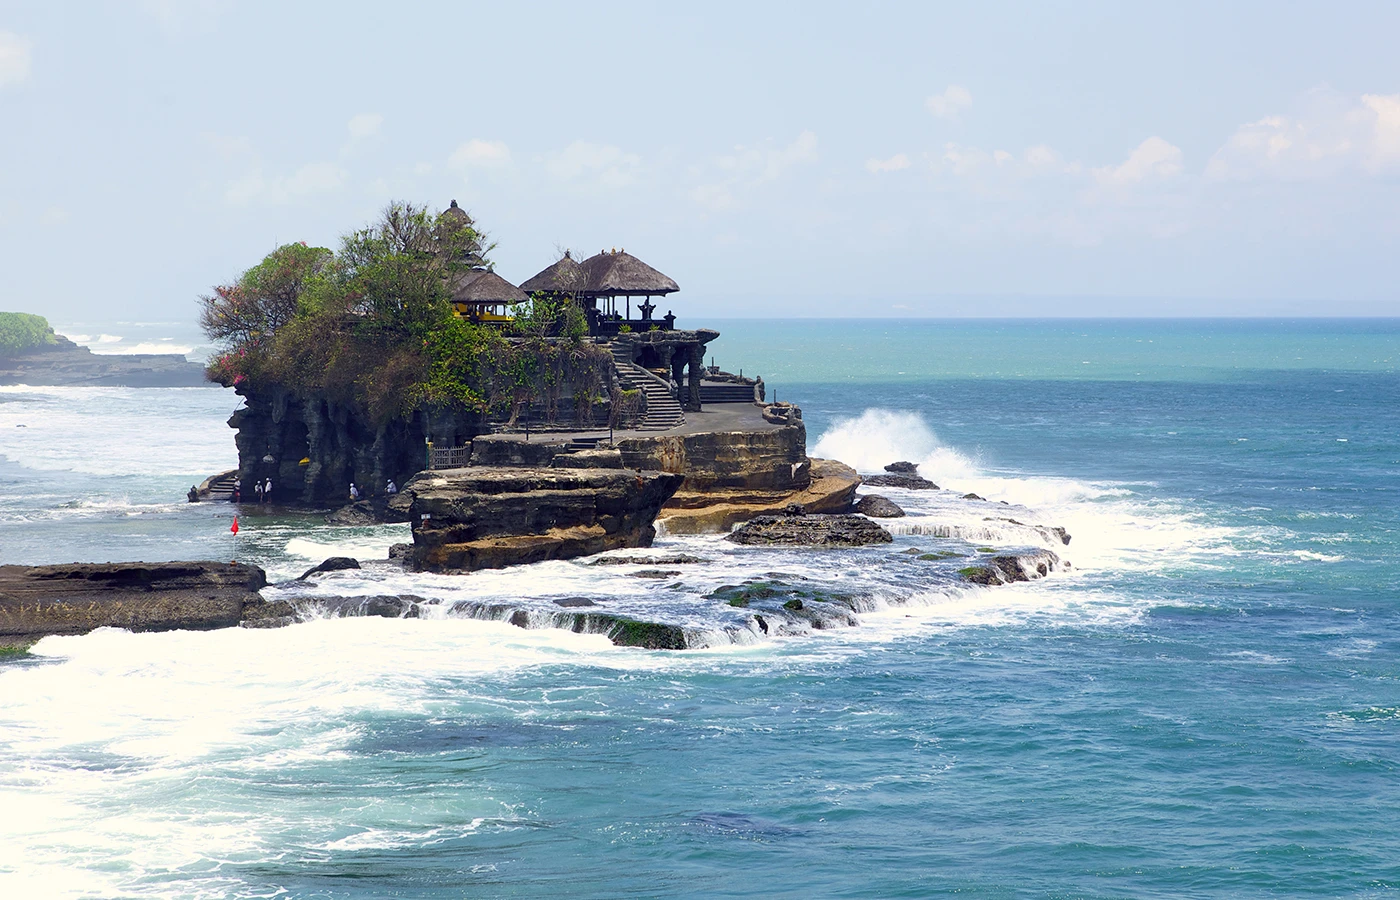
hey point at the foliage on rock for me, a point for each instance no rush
(372, 326)
(22, 331)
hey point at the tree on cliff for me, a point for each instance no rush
(372, 327)
(264, 298)
(396, 271)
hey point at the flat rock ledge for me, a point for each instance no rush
(832, 489)
(75, 598)
(491, 517)
(810, 531)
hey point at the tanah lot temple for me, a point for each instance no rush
(615, 291)
(739, 451)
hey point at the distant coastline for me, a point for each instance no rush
(46, 359)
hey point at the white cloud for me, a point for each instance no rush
(954, 99)
(893, 164)
(747, 167)
(15, 58)
(479, 154)
(364, 125)
(765, 162)
(313, 178)
(54, 215)
(1152, 160)
(714, 197)
(1327, 134)
(602, 164)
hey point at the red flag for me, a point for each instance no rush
(234, 529)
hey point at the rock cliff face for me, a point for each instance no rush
(767, 460)
(65, 363)
(488, 517)
(76, 598)
(831, 489)
(276, 431)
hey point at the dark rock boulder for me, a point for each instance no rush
(903, 468)
(75, 598)
(973, 497)
(900, 480)
(810, 531)
(334, 564)
(384, 606)
(878, 507)
(491, 517)
(1010, 568)
(670, 559)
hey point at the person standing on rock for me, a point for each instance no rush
(257, 489)
(354, 492)
(392, 488)
(238, 490)
(267, 491)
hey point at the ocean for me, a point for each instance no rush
(1207, 704)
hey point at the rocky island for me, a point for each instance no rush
(507, 425)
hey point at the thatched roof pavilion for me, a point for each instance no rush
(564, 277)
(483, 296)
(480, 286)
(618, 273)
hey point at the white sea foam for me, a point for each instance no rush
(102, 741)
(143, 347)
(1113, 525)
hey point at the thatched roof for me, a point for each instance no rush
(481, 286)
(564, 277)
(458, 213)
(617, 273)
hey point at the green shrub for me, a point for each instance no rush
(22, 331)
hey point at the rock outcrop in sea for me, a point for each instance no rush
(802, 530)
(75, 598)
(489, 517)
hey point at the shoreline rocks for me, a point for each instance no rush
(900, 480)
(75, 598)
(491, 517)
(66, 364)
(878, 507)
(1009, 568)
(810, 531)
(832, 489)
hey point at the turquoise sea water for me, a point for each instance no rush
(1206, 705)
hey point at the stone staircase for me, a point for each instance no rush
(218, 487)
(725, 392)
(663, 412)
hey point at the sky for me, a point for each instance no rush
(776, 159)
